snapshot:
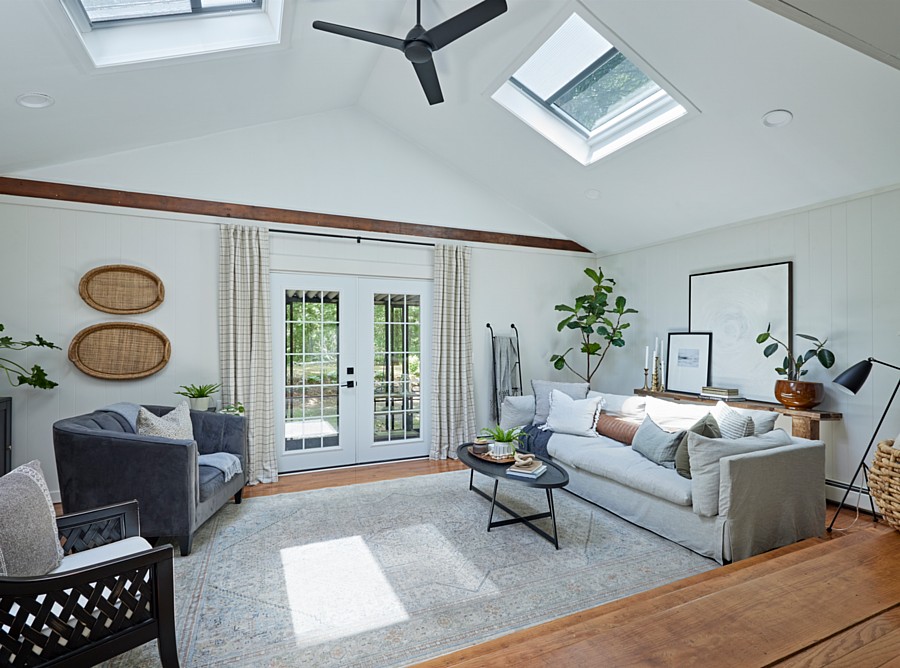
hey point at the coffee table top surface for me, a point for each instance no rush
(554, 476)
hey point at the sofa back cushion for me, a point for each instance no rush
(705, 455)
(542, 389)
(517, 411)
(625, 406)
(674, 415)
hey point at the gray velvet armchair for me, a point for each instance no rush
(100, 460)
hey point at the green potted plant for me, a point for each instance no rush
(237, 408)
(791, 391)
(16, 374)
(198, 395)
(503, 441)
(596, 316)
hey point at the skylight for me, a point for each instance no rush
(117, 32)
(585, 95)
(104, 12)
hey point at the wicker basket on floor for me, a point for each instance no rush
(884, 482)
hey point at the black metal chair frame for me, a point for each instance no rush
(122, 603)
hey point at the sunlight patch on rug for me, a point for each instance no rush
(336, 589)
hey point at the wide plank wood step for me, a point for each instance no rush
(525, 647)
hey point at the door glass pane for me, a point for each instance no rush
(312, 360)
(396, 369)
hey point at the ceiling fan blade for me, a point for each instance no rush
(364, 35)
(454, 28)
(429, 79)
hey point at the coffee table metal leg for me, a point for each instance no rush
(471, 479)
(493, 503)
(553, 516)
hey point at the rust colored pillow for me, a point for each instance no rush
(616, 428)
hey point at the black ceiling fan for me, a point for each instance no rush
(419, 43)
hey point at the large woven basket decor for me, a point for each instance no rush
(884, 482)
(120, 350)
(121, 289)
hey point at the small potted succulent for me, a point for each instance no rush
(198, 395)
(791, 391)
(503, 442)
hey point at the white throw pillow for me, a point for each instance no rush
(705, 454)
(675, 415)
(573, 416)
(516, 411)
(626, 406)
(542, 389)
(176, 424)
(763, 421)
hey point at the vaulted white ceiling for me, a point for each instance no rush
(733, 59)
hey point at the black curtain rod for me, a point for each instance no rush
(356, 238)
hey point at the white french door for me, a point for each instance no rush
(351, 363)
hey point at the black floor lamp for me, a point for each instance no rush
(851, 381)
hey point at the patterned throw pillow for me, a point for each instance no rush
(732, 424)
(29, 540)
(616, 428)
(175, 424)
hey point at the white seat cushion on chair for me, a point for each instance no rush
(117, 550)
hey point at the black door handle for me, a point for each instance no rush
(349, 384)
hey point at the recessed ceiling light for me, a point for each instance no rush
(34, 100)
(777, 118)
(591, 193)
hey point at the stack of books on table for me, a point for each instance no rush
(723, 393)
(532, 470)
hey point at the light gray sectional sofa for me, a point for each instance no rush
(745, 496)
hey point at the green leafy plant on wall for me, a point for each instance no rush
(599, 318)
(17, 374)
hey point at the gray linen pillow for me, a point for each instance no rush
(657, 444)
(705, 455)
(29, 539)
(542, 389)
(516, 411)
(706, 426)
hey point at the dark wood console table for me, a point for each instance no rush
(804, 423)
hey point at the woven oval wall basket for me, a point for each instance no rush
(884, 482)
(120, 350)
(121, 289)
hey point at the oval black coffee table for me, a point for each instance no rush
(551, 479)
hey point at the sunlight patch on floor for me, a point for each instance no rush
(337, 589)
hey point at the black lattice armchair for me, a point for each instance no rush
(112, 592)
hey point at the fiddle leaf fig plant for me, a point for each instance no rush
(17, 374)
(599, 318)
(792, 366)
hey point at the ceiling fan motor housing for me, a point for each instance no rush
(416, 49)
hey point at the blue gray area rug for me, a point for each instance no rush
(396, 572)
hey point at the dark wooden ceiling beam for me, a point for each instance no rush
(134, 200)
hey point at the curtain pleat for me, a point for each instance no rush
(245, 340)
(453, 402)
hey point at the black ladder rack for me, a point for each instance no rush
(516, 370)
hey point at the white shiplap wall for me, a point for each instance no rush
(846, 287)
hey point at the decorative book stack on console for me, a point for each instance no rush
(804, 422)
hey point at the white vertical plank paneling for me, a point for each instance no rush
(838, 337)
(885, 311)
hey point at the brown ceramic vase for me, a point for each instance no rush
(799, 393)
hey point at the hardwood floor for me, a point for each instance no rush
(830, 601)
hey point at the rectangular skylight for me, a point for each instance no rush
(101, 12)
(585, 95)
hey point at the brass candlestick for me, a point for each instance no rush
(645, 388)
(657, 376)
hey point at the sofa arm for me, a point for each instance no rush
(100, 467)
(771, 498)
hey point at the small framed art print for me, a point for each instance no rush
(687, 369)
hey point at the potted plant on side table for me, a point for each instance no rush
(791, 391)
(199, 395)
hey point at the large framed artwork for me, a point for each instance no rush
(687, 369)
(736, 305)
